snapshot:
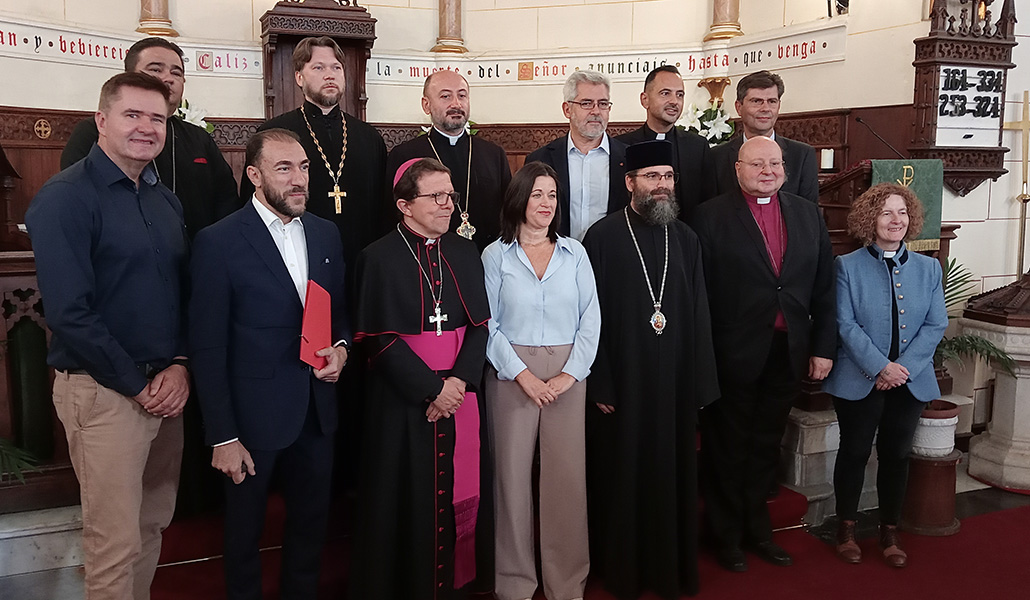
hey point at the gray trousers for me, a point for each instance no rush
(516, 424)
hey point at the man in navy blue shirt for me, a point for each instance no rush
(111, 251)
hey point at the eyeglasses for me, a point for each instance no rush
(590, 104)
(656, 177)
(760, 165)
(442, 198)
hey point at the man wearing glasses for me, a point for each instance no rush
(589, 164)
(769, 272)
(655, 367)
(758, 104)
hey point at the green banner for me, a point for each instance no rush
(925, 177)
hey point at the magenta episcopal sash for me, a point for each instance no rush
(439, 354)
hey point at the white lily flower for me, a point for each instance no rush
(691, 117)
(719, 126)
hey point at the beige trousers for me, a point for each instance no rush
(516, 425)
(127, 462)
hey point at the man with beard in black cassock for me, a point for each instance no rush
(655, 367)
(445, 98)
(348, 156)
(422, 319)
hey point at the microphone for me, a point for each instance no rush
(885, 142)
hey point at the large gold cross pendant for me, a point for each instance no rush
(336, 194)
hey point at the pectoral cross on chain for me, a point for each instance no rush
(437, 318)
(336, 194)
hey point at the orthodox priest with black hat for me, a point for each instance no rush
(477, 210)
(655, 367)
(348, 156)
(422, 320)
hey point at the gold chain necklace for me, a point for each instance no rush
(336, 194)
(465, 230)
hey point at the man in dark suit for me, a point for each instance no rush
(769, 273)
(264, 409)
(662, 98)
(758, 104)
(590, 165)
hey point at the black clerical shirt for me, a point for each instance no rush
(110, 260)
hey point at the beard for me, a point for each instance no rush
(453, 125)
(653, 210)
(277, 200)
(324, 98)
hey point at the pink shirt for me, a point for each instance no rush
(774, 232)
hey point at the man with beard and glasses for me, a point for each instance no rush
(655, 367)
(348, 156)
(589, 164)
(769, 270)
(477, 210)
(266, 412)
(662, 98)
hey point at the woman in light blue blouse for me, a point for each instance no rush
(543, 337)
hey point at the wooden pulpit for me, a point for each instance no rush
(288, 22)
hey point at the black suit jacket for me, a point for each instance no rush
(245, 323)
(691, 151)
(556, 153)
(745, 294)
(801, 166)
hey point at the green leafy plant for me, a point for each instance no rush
(14, 461)
(959, 284)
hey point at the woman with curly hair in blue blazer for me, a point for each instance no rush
(890, 316)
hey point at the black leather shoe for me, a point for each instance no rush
(732, 559)
(771, 553)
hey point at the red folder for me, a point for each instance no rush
(316, 331)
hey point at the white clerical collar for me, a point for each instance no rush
(659, 136)
(771, 136)
(453, 138)
(763, 200)
(889, 253)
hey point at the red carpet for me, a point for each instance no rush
(988, 558)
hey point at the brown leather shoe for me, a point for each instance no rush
(893, 555)
(847, 548)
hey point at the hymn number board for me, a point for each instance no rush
(969, 106)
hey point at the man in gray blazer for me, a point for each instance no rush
(758, 104)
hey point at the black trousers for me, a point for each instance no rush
(303, 471)
(740, 449)
(891, 416)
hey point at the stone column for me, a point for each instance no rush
(1001, 455)
(725, 20)
(450, 39)
(153, 18)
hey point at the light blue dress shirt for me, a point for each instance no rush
(588, 186)
(559, 309)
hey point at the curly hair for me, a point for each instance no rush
(866, 209)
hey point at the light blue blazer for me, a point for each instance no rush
(864, 321)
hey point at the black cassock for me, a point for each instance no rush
(641, 460)
(405, 532)
(365, 215)
(484, 191)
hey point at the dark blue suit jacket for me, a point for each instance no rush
(245, 323)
